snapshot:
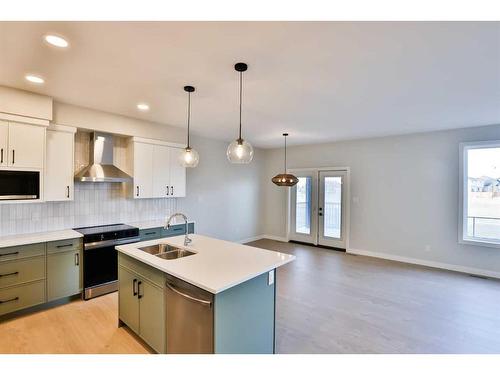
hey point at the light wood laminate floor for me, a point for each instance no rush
(328, 302)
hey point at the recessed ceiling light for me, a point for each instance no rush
(34, 79)
(143, 107)
(56, 41)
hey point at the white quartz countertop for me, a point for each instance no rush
(217, 265)
(31, 238)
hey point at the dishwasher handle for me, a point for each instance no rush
(198, 300)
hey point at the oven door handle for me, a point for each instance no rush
(109, 243)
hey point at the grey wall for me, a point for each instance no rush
(407, 191)
(224, 199)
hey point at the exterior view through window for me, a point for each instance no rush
(303, 206)
(333, 206)
(481, 209)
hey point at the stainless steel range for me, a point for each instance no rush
(100, 258)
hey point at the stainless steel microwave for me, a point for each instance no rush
(19, 185)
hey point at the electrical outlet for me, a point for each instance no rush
(270, 278)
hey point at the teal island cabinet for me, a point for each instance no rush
(210, 296)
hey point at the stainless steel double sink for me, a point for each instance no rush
(165, 251)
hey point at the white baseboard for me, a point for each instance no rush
(264, 236)
(428, 263)
(251, 239)
(275, 238)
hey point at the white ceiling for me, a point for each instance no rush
(320, 81)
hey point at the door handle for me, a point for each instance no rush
(172, 190)
(77, 259)
(139, 290)
(137, 194)
(67, 191)
(13, 156)
(134, 286)
(1, 157)
(167, 190)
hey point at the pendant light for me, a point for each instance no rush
(240, 151)
(285, 179)
(189, 158)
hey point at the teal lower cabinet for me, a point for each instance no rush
(22, 277)
(174, 230)
(150, 234)
(64, 270)
(32, 275)
(173, 316)
(141, 302)
(244, 318)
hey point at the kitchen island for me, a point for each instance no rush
(216, 297)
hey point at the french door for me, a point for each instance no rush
(318, 208)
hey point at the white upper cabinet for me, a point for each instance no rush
(59, 164)
(156, 170)
(23, 145)
(143, 170)
(161, 168)
(177, 174)
(4, 143)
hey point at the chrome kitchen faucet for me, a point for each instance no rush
(187, 240)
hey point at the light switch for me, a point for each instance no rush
(270, 278)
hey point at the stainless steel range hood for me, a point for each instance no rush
(101, 168)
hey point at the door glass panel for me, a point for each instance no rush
(303, 206)
(333, 207)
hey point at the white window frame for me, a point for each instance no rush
(462, 212)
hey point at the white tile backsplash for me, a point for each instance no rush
(94, 204)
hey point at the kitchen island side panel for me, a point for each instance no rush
(244, 318)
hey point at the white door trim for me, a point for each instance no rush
(348, 199)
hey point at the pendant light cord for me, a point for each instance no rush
(241, 95)
(189, 116)
(285, 154)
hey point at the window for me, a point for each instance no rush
(303, 206)
(480, 190)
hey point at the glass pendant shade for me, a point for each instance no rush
(284, 179)
(189, 158)
(240, 152)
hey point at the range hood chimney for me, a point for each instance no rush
(101, 168)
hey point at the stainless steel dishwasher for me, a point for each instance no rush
(190, 318)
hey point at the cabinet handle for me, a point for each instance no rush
(67, 245)
(167, 190)
(139, 290)
(13, 156)
(77, 259)
(67, 191)
(10, 300)
(1, 157)
(137, 193)
(134, 286)
(14, 253)
(172, 190)
(149, 233)
(10, 274)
